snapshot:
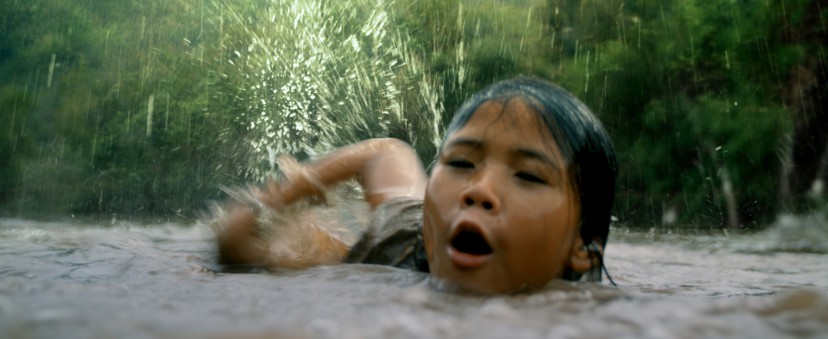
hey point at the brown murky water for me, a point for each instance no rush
(70, 280)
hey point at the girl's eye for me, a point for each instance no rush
(460, 164)
(530, 177)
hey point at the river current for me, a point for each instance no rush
(123, 280)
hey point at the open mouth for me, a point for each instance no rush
(471, 242)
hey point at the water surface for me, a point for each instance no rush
(76, 280)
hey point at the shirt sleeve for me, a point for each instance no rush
(393, 237)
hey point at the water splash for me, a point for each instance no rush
(320, 74)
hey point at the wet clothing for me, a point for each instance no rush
(394, 237)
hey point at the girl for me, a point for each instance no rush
(519, 195)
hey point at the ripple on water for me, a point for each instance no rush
(160, 281)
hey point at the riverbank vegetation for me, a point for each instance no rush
(147, 108)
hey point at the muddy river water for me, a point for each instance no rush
(124, 280)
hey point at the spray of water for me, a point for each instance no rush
(319, 74)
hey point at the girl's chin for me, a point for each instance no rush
(457, 282)
(463, 286)
(449, 286)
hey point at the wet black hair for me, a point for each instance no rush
(584, 143)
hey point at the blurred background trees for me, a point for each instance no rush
(145, 109)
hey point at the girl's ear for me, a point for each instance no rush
(581, 260)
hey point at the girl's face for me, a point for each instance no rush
(500, 213)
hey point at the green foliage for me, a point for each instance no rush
(689, 91)
(79, 132)
(689, 150)
(150, 106)
(468, 45)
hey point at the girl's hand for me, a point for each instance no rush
(270, 195)
(237, 241)
(299, 181)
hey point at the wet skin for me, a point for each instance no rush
(500, 212)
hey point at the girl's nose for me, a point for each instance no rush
(481, 193)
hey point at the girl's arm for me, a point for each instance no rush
(386, 168)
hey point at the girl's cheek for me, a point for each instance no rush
(428, 243)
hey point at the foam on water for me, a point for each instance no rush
(78, 281)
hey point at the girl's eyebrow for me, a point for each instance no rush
(521, 151)
(470, 142)
(537, 155)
